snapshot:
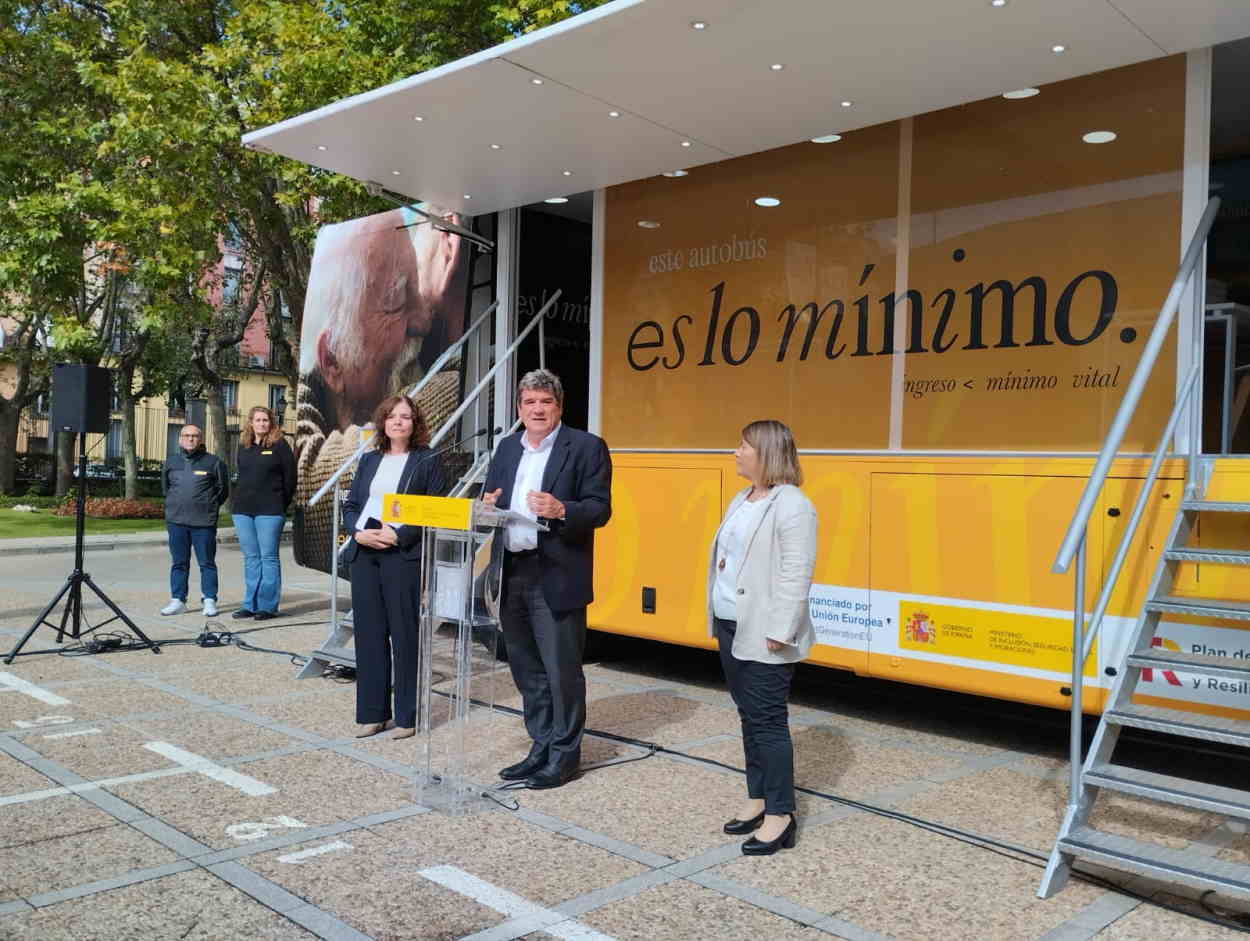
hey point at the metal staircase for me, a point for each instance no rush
(338, 648)
(1077, 839)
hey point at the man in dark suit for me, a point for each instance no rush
(563, 476)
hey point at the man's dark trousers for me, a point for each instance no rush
(181, 540)
(545, 650)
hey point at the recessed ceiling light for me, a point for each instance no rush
(685, 143)
(676, 172)
(698, 24)
(567, 172)
(648, 224)
(776, 66)
(998, 3)
(418, 118)
(394, 173)
(496, 147)
(321, 146)
(614, 114)
(557, 200)
(1099, 137)
(847, 104)
(1058, 48)
(536, 81)
(1021, 93)
(768, 201)
(827, 139)
(467, 196)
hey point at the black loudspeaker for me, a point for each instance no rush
(81, 396)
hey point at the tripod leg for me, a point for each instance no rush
(120, 614)
(39, 620)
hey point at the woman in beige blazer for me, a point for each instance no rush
(759, 576)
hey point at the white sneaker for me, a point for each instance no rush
(210, 607)
(174, 607)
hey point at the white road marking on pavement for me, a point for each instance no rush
(201, 765)
(30, 689)
(75, 732)
(29, 796)
(509, 904)
(256, 829)
(42, 720)
(315, 851)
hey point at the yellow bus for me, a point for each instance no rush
(938, 265)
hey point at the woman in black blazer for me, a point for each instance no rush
(385, 567)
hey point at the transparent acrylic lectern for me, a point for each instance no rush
(457, 756)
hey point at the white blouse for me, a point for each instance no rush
(731, 548)
(385, 481)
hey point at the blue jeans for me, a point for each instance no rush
(181, 540)
(262, 572)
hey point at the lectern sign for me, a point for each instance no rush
(439, 512)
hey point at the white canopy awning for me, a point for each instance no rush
(633, 89)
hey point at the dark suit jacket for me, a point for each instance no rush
(579, 475)
(423, 474)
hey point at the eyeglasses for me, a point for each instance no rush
(188, 436)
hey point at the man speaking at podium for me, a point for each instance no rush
(563, 476)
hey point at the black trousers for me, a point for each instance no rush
(384, 616)
(545, 649)
(760, 691)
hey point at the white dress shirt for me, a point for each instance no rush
(521, 537)
(385, 480)
(731, 548)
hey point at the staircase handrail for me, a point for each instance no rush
(1132, 394)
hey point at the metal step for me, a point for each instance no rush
(1158, 862)
(1214, 506)
(342, 655)
(1204, 607)
(1163, 787)
(1219, 556)
(1177, 722)
(1156, 658)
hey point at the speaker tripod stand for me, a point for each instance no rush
(73, 618)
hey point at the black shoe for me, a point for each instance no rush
(243, 613)
(789, 835)
(552, 777)
(737, 827)
(523, 769)
(266, 615)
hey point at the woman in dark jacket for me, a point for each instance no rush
(385, 563)
(266, 484)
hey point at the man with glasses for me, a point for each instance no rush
(195, 484)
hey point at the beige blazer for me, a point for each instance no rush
(775, 578)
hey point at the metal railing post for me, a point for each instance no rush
(1078, 672)
(334, 563)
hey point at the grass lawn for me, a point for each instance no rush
(14, 525)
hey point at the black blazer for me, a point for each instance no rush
(423, 474)
(579, 475)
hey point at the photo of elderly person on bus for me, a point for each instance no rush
(386, 295)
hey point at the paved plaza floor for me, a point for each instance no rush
(209, 794)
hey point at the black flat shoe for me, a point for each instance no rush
(786, 841)
(551, 777)
(523, 769)
(266, 615)
(738, 827)
(243, 613)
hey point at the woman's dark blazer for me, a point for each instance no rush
(423, 474)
